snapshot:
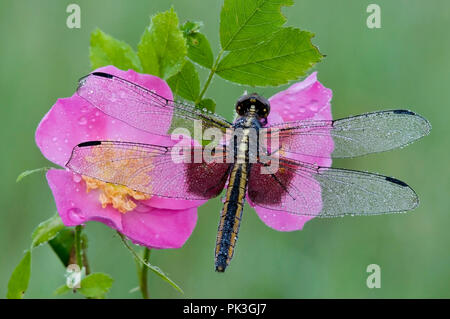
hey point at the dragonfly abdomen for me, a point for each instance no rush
(231, 216)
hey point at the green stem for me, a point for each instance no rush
(143, 274)
(211, 75)
(78, 230)
(155, 269)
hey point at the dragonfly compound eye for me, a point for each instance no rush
(260, 104)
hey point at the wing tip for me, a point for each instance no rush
(407, 112)
(396, 181)
(414, 199)
(425, 123)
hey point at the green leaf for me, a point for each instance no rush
(18, 283)
(61, 290)
(186, 82)
(162, 49)
(199, 49)
(287, 56)
(95, 285)
(62, 245)
(46, 230)
(190, 27)
(31, 171)
(105, 50)
(246, 23)
(208, 104)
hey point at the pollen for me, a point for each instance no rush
(120, 197)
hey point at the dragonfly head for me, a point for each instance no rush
(261, 105)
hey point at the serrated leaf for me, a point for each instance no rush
(62, 245)
(31, 171)
(61, 290)
(95, 285)
(199, 49)
(246, 23)
(46, 230)
(208, 104)
(190, 27)
(18, 283)
(106, 50)
(186, 83)
(162, 48)
(285, 57)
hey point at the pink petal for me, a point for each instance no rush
(308, 99)
(281, 221)
(75, 206)
(145, 225)
(73, 120)
(305, 100)
(159, 228)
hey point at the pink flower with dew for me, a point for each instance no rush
(305, 100)
(147, 220)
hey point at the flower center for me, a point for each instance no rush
(120, 197)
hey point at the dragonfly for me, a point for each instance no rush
(299, 187)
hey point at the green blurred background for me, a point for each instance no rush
(405, 64)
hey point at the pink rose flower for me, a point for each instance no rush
(147, 220)
(305, 100)
(154, 221)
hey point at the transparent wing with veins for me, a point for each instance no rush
(152, 169)
(304, 189)
(142, 108)
(353, 136)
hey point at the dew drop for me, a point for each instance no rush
(74, 214)
(54, 139)
(314, 105)
(82, 120)
(76, 178)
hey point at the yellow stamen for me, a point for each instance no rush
(120, 197)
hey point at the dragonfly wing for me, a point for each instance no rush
(304, 189)
(140, 107)
(151, 169)
(353, 136)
